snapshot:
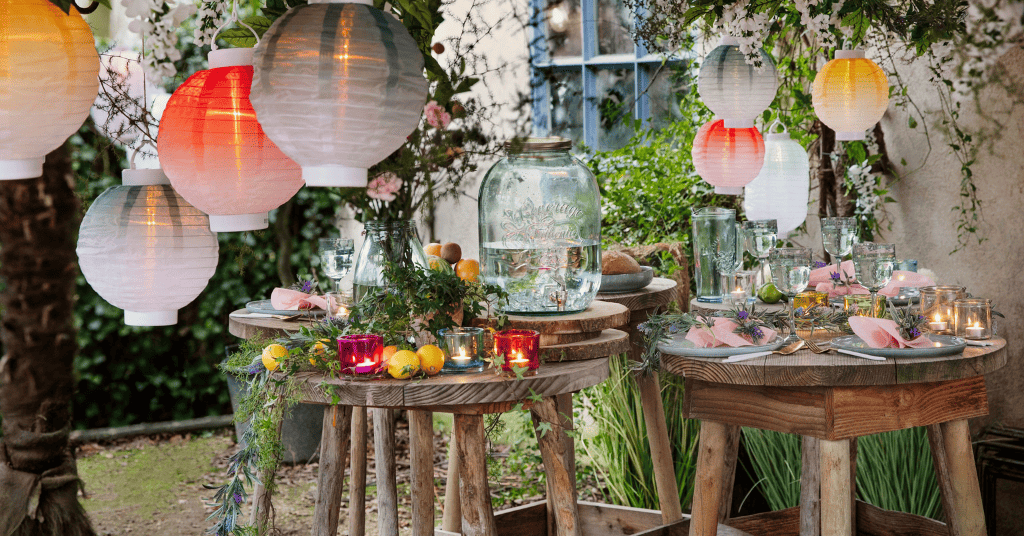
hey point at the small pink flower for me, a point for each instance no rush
(384, 186)
(436, 115)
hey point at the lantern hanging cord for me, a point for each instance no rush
(234, 18)
(88, 9)
(779, 123)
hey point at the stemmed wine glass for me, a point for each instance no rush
(791, 272)
(729, 257)
(336, 258)
(838, 236)
(761, 237)
(874, 264)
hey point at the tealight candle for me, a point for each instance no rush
(937, 324)
(975, 331)
(973, 318)
(521, 349)
(360, 354)
(463, 349)
(739, 296)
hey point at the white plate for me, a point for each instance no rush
(678, 345)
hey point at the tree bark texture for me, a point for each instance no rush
(38, 477)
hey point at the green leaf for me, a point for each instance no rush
(241, 37)
(543, 428)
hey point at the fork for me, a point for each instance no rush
(814, 347)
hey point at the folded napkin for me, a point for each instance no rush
(884, 333)
(841, 290)
(901, 278)
(824, 275)
(284, 299)
(722, 334)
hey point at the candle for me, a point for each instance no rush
(521, 349)
(519, 361)
(975, 331)
(360, 354)
(462, 349)
(738, 296)
(937, 324)
(365, 367)
(462, 358)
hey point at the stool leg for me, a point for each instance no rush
(966, 514)
(661, 448)
(810, 487)
(836, 515)
(421, 454)
(384, 455)
(331, 478)
(709, 481)
(554, 447)
(474, 493)
(732, 450)
(357, 474)
(451, 519)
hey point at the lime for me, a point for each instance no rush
(769, 294)
(438, 264)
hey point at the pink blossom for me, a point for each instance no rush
(384, 186)
(436, 115)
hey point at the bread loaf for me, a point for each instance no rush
(614, 263)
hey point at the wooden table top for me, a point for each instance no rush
(599, 316)
(659, 293)
(488, 391)
(807, 369)
(245, 327)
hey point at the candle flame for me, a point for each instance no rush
(976, 325)
(937, 318)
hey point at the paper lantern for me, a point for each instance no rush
(732, 88)
(338, 87)
(780, 191)
(144, 249)
(48, 81)
(727, 158)
(850, 94)
(216, 153)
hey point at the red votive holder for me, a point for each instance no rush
(521, 348)
(361, 354)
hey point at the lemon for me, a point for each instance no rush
(271, 354)
(404, 364)
(769, 294)
(319, 348)
(431, 359)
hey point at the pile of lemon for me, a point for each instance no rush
(404, 364)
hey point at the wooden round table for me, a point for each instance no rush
(831, 400)
(697, 307)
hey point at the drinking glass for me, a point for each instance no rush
(729, 256)
(336, 258)
(838, 236)
(874, 264)
(791, 272)
(760, 237)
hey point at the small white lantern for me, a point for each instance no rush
(850, 94)
(144, 249)
(338, 87)
(780, 191)
(732, 88)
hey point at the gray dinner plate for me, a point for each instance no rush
(942, 345)
(627, 282)
(678, 345)
(263, 306)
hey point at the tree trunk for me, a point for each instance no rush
(38, 478)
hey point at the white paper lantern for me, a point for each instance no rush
(144, 249)
(338, 87)
(733, 89)
(780, 191)
(48, 68)
(850, 94)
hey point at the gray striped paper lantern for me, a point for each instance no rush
(338, 87)
(146, 250)
(733, 89)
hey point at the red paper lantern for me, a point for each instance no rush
(520, 348)
(727, 158)
(215, 152)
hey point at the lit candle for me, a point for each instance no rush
(521, 349)
(975, 331)
(519, 361)
(937, 324)
(462, 358)
(365, 367)
(739, 295)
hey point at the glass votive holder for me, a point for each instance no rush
(860, 305)
(972, 318)
(810, 298)
(936, 306)
(338, 305)
(742, 288)
(520, 349)
(463, 350)
(361, 354)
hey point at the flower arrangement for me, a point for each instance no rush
(749, 322)
(908, 321)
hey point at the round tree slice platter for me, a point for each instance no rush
(568, 329)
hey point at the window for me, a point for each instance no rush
(589, 79)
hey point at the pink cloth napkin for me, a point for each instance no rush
(722, 334)
(824, 275)
(284, 299)
(841, 290)
(884, 333)
(910, 279)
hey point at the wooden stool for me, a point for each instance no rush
(831, 400)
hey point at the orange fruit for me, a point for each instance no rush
(271, 354)
(433, 248)
(468, 270)
(404, 364)
(431, 359)
(388, 352)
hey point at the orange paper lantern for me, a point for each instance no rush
(48, 81)
(727, 158)
(850, 94)
(216, 153)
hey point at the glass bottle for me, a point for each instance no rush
(540, 228)
(394, 241)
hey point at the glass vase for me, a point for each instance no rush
(385, 241)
